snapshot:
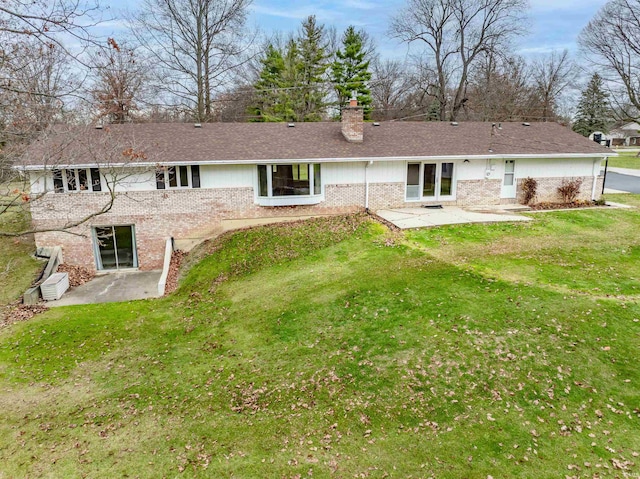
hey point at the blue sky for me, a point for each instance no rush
(553, 24)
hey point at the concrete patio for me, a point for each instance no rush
(113, 288)
(418, 217)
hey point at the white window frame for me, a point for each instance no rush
(96, 248)
(76, 175)
(438, 185)
(167, 186)
(290, 200)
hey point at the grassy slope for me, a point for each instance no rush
(356, 356)
(627, 159)
(17, 268)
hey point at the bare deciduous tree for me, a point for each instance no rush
(47, 169)
(611, 41)
(455, 33)
(120, 78)
(397, 90)
(195, 44)
(551, 76)
(498, 89)
(34, 66)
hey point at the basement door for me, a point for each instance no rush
(115, 247)
(509, 182)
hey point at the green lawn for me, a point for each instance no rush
(626, 159)
(333, 348)
(17, 268)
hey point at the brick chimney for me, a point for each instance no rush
(353, 121)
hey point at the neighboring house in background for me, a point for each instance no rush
(625, 135)
(192, 179)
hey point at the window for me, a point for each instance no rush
(58, 185)
(289, 184)
(429, 181)
(317, 180)
(72, 184)
(195, 176)
(171, 173)
(96, 184)
(76, 179)
(115, 247)
(262, 181)
(178, 177)
(160, 184)
(289, 180)
(509, 171)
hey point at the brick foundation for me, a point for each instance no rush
(547, 190)
(198, 213)
(157, 215)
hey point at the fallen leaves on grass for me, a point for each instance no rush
(16, 312)
(547, 205)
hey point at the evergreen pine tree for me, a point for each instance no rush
(350, 71)
(433, 114)
(593, 109)
(313, 65)
(267, 105)
(293, 102)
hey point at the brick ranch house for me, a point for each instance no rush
(193, 179)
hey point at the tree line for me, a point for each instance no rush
(197, 60)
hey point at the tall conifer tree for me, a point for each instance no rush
(313, 66)
(593, 112)
(350, 71)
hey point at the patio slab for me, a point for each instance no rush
(113, 288)
(408, 218)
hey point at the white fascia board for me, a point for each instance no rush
(330, 160)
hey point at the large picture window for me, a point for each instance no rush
(183, 176)
(290, 180)
(430, 181)
(300, 183)
(76, 179)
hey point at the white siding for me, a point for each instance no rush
(131, 181)
(388, 172)
(552, 168)
(39, 182)
(343, 173)
(227, 176)
(474, 170)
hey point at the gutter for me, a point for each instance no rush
(252, 162)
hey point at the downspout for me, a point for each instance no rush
(366, 185)
(606, 167)
(596, 172)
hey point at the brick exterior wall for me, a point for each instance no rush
(468, 193)
(159, 214)
(198, 213)
(478, 192)
(547, 190)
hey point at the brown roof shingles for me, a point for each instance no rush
(250, 142)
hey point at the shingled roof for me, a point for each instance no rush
(254, 142)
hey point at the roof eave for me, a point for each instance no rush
(330, 160)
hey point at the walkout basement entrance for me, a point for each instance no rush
(115, 247)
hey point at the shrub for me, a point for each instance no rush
(529, 189)
(569, 190)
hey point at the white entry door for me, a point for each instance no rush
(509, 181)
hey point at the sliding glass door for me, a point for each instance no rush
(115, 247)
(430, 181)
